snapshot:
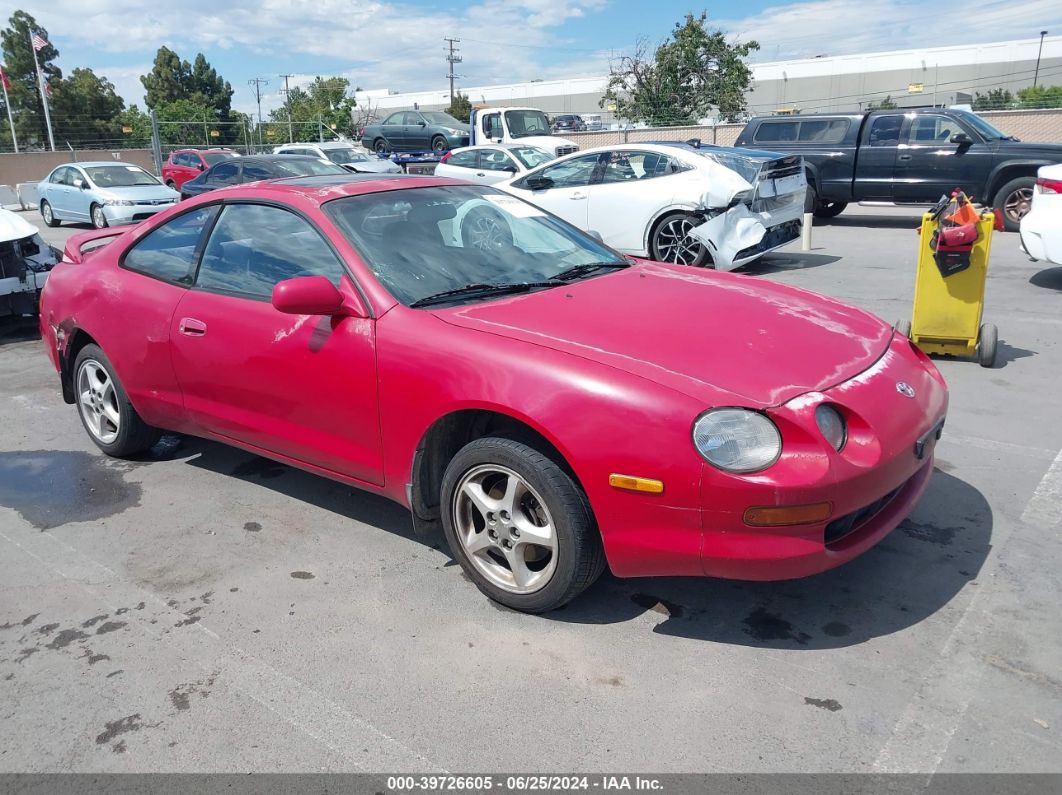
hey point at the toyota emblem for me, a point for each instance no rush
(905, 389)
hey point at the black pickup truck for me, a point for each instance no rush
(905, 156)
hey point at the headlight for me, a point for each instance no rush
(737, 440)
(832, 426)
(118, 202)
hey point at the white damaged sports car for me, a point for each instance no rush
(25, 260)
(686, 203)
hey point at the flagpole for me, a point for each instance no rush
(10, 118)
(44, 94)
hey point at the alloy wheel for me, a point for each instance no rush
(674, 244)
(99, 220)
(485, 232)
(98, 401)
(505, 529)
(46, 213)
(1018, 204)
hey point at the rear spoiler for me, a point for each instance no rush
(80, 246)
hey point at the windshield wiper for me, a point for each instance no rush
(478, 289)
(587, 268)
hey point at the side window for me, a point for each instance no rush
(253, 173)
(830, 131)
(168, 253)
(223, 174)
(932, 130)
(75, 177)
(254, 246)
(57, 177)
(885, 131)
(412, 118)
(394, 118)
(572, 173)
(463, 159)
(776, 131)
(494, 160)
(626, 166)
(492, 125)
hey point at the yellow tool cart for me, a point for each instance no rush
(950, 283)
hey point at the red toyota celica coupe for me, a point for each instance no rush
(556, 407)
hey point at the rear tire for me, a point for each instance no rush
(103, 405)
(379, 146)
(670, 241)
(830, 209)
(1013, 201)
(49, 215)
(494, 486)
(987, 344)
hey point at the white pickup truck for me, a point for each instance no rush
(528, 126)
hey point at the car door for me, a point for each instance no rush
(303, 387)
(81, 195)
(567, 195)
(460, 165)
(635, 186)
(415, 132)
(929, 164)
(875, 169)
(58, 190)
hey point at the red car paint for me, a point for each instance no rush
(612, 370)
(185, 164)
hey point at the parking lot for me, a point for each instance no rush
(203, 609)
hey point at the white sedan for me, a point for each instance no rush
(675, 202)
(1041, 227)
(490, 164)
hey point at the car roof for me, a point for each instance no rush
(214, 150)
(321, 189)
(268, 158)
(84, 163)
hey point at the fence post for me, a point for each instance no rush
(320, 129)
(156, 143)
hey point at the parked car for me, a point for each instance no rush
(527, 126)
(691, 205)
(334, 326)
(25, 260)
(594, 122)
(905, 156)
(568, 122)
(185, 164)
(415, 131)
(490, 164)
(342, 154)
(102, 193)
(1041, 227)
(258, 167)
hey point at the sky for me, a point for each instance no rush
(399, 44)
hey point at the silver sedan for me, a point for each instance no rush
(105, 193)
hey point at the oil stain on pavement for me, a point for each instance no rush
(50, 488)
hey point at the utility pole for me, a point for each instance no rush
(287, 104)
(258, 82)
(1036, 74)
(452, 58)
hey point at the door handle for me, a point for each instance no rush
(480, 174)
(577, 196)
(192, 327)
(904, 157)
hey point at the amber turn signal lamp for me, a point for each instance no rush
(779, 515)
(631, 483)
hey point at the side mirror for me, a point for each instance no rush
(201, 167)
(80, 183)
(595, 235)
(539, 182)
(422, 123)
(307, 295)
(961, 139)
(510, 169)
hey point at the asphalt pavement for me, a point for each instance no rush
(205, 610)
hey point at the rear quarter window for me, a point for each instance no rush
(802, 131)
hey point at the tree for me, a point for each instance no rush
(174, 86)
(460, 108)
(692, 71)
(168, 80)
(1040, 97)
(85, 110)
(323, 107)
(996, 99)
(24, 93)
(885, 104)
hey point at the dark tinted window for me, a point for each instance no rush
(885, 131)
(625, 166)
(216, 157)
(168, 253)
(223, 174)
(776, 131)
(254, 246)
(463, 159)
(252, 172)
(823, 130)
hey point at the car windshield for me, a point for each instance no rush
(304, 167)
(445, 119)
(526, 122)
(119, 176)
(343, 155)
(420, 242)
(531, 156)
(216, 157)
(987, 131)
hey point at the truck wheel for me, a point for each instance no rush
(830, 209)
(519, 525)
(48, 215)
(379, 146)
(108, 416)
(1013, 201)
(987, 344)
(439, 145)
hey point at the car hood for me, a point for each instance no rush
(1030, 149)
(139, 193)
(717, 337)
(14, 227)
(547, 142)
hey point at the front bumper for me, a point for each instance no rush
(118, 214)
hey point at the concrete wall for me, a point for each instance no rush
(35, 166)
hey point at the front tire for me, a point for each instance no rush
(379, 146)
(49, 215)
(519, 525)
(1013, 201)
(671, 241)
(99, 220)
(103, 405)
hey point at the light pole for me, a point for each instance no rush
(1036, 74)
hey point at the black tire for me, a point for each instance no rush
(903, 327)
(48, 214)
(134, 435)
(987, 344)
(580, 556)
(1012, 201)
(379, 146)
(829, 209)
(171, 184)
(484, 229)
(663, 249)
(439, 145)
(99, 220)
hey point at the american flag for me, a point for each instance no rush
(39, 42)
(4, 79)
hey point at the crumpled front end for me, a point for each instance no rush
(24, 267)
(764, 216)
